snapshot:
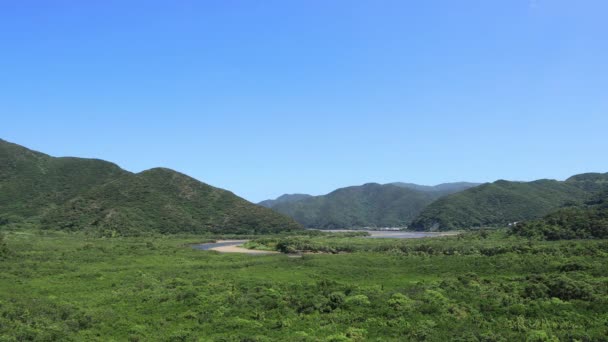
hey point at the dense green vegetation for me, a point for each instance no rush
(96, 196)
(91, 252)
(164, 201)
(369, 205)
(442, 189)
(359, 206)
(577, 222)
(503, 202)
(33, 182)
(483, 286)
(284, 199)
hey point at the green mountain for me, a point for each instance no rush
(504, 202)
(592, 182)
(90, 194)
(369, 205)
(586, 221)
(32, 182)
(444, 189)
(287, 198)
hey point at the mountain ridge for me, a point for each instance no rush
(285, 198)
(367, 205)
(95, 195)
(503, 202)
(445, 187)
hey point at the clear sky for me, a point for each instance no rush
(270, 97)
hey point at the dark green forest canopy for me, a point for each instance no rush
(575, 222)
(98, 196)
(283, 199)
(368, 205)
(504, 202)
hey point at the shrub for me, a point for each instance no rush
(3, 247)
(357, 300)
(400, 302)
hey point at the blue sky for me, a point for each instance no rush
(268, 97)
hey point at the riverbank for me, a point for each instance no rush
(235, 246)
(230, 246)
(239, 249)
(394, 234)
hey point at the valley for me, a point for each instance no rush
(304, 171)
(91, 252)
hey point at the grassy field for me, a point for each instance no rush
(480, 287)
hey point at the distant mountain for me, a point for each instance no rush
(368, 205)
(442, 189)
(287, 198)
(95, 195)
(445, 188)
(503, 202)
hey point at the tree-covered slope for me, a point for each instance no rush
(443, 189)
(588, 221)
(32, 182)
(88, 194)
(287, 198)
(373, 205)
(504, 202)
(592, 182)
(165, 201)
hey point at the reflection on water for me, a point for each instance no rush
(401, 235)
(208, 246)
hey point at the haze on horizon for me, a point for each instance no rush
(308, 96)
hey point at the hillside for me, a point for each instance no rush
(287, 198)
(89, 194)
(369, 205)
(503, 202)
(444, 188)
(32, 182)
(586, 221)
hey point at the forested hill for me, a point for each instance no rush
(504, 202)
(287, 198)
(32, 182)
(368, 205)
(442, 189)
(587, 221)
(91, 194)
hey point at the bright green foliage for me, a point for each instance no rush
(59, 286)
(503, 202)
(97, 196)
(474, 243)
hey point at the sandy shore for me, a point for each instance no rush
(238, 248)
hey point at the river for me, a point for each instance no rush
(394, 234)
(233, 246)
